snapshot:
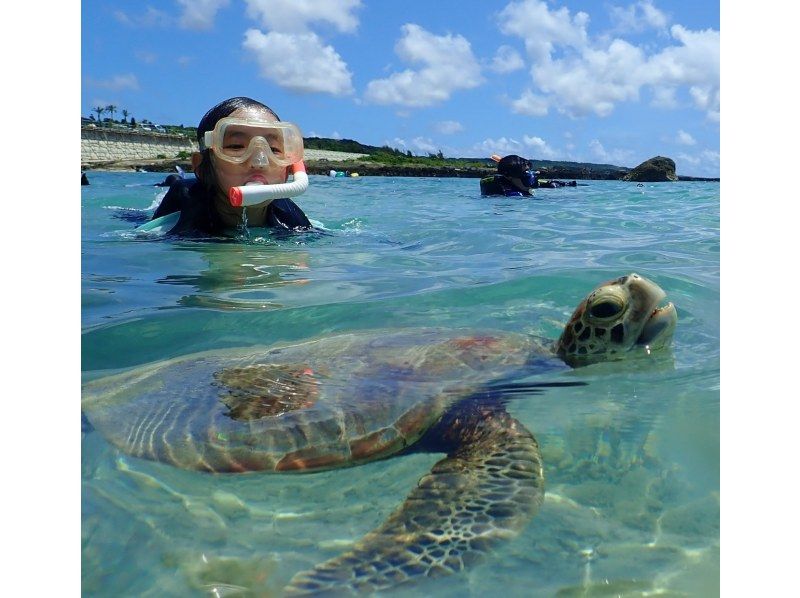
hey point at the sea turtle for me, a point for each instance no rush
(354, 398)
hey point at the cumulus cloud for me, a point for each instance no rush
(618, 157)
(506, 60)
(448, 127)
(151, 17)
(581, 76)
(530, 104)
(685, 138)
(447, 66)
(299, 62)
(198, 15)
(145, 56)
(541, 28)
(638, 17)
(289, 16)
(502, 146)
(529, 146)
(115, 83)
(705, 163)
(695, 63)
(424, 144)
(594, 81)
(539, 147)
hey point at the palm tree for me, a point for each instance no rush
(111, 108)
(125, 116)
(99, 110)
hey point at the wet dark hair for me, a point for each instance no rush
(205, 171)
(513, 166)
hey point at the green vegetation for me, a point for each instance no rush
(388, 156)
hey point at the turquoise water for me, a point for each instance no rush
(631, 459)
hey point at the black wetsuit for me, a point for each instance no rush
(497, 184)
(199, 218)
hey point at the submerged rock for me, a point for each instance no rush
(654, 170)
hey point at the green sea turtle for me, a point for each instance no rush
(354, 398)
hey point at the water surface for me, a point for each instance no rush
(631, 459)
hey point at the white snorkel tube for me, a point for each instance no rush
(250, 195)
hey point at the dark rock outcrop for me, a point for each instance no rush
(654, 170)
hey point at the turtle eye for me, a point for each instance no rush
(603, 310)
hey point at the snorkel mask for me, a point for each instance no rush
(238, 140)
(528, 178)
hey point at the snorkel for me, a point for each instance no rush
(253, 194)
(251, 140)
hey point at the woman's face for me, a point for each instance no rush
(235, 175)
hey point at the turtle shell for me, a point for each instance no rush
(320, 404)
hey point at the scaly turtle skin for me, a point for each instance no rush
(355, 398)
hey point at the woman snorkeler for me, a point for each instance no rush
(242, 143)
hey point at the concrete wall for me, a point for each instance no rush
(118, 144)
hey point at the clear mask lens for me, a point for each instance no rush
(238, 140)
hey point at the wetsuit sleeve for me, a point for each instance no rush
(285, 213)
(172, 201)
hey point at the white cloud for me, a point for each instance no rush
(448, 127)
(539, 147)
(150, 18)
(502, 146)
(652, 16)
(448, 65)
(541, 28)
(706, 163)
(506, 60)
(184, 61)
(685, 138)
(198, 15)
(638, 17)
(425, 144)
(530, 104)
(299, 62)
(294, 16)
(580, 76)
(695, 63)
(145, 56)
(665, 97)
(594, 81)
(116, 83)
(616, 157)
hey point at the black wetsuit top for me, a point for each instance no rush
(497, 184)
(199, 218)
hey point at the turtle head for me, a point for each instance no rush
(618, 316)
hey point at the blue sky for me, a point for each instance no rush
(609, 82)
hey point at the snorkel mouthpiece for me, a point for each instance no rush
(252, 195)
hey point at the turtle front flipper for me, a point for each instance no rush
(487, 488)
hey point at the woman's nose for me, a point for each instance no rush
(259, 159)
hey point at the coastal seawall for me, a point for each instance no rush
(103, 144)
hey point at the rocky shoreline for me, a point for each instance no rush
(368, 168)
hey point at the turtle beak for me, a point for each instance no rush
(661, 318)
(659, 326)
